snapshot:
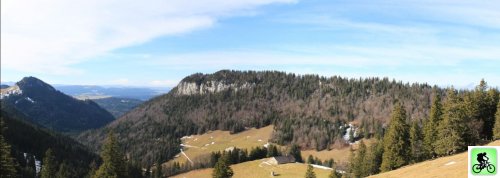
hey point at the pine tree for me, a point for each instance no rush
(483, 109)
(113, 160)
(295, 152)
(310, 172)
(431, 125)
(92, 169)
(352, 162)
(333, 173)
(374, 158)
(64, 171)
(396, 144)
(222, 169)
(360, 162)
(416, 142)
(159, 171)
(496, 130)
(7, 163)
(49, 165)
(310, 160)
(452, 131)
(272, 150)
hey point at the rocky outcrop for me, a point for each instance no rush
(192, 88)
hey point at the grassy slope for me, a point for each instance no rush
(339, 155)
(446, 167)
(197, 144)
(257, 168)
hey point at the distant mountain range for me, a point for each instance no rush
(97, 92)
(46, 106)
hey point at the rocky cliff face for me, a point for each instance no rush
(192, 88)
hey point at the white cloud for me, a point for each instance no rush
(51, 36)
(339, 55)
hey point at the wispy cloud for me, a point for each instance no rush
(53, 36)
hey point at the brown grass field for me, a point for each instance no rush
(338, 155)
(258, 169)
(198, 145)
(454, 166)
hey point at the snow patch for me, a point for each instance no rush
(321, 167)
(259, 140)
(266, 145)
(30, 100)
(450, 163)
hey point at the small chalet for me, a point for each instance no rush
(281, 160)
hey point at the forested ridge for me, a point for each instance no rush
(29, 142)
(307, 110)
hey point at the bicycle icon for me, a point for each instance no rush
(477, 168)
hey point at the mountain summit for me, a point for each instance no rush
(50, 108)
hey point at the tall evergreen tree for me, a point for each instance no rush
(159, 170)
(452, 131)
(272, 150)
(7, 163)
(49, 165)
(310, 160)
(310, 172)
(222, 169)
(482, 110)
(92, 169)
(333, 173)
(113, 160)
(416, 142)
(496, 130)
(295, 152)
(431, 125)
(360, 162)
(396, 144)
(64, 171)
(374, 157)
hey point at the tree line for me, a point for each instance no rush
(460, 119)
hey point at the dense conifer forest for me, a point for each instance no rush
(307, 110)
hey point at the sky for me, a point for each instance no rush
(157, 43)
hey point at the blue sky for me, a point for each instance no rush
(158, 42)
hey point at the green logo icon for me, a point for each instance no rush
(483, 161)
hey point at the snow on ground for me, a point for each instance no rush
(321, 167)
(266, 145)
(182, 152)
(188, 146)
(259, 140)
(30, 100)
(450, 163)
